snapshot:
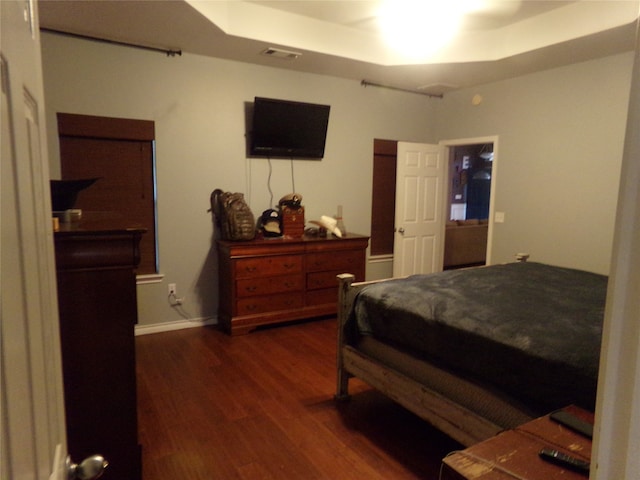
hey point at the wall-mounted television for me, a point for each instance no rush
(282, 128)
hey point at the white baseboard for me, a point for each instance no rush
(176, 325)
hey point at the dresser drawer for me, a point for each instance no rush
(250, 287)
(269, 303)
(317, 280)
(322, 297)
(346, 261)
(268, 266)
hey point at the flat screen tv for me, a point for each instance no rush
(282, 128)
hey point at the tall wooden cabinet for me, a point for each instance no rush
(268, 281)
(98, 311)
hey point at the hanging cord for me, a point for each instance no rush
(174, 300)
(269, 183)
(293, 180)
(177, 303)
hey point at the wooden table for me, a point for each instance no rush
(513, 454)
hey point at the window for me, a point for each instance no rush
(120, 152)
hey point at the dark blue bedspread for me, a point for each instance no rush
(530, 329)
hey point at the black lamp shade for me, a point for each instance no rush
(64, 193)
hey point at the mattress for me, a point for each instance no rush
(529, 329)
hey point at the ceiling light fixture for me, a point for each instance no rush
(486, 152)
(418, 28)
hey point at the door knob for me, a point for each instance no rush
(401, 231)
(89, 469)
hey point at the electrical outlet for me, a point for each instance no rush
(172, 289)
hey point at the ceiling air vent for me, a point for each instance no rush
(279, 53)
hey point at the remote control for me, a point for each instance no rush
(571, 421)
(564, 460)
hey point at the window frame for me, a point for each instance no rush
(77, 126)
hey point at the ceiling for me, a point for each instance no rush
(506, 38)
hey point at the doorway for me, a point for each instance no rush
(470, 172)
(470, 201)
(384, 193)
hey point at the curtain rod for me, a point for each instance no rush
(367, 83)
(168, 52)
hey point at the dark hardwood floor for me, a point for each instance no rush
(261, 406)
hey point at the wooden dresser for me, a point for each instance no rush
(268, 281)
(98, 311)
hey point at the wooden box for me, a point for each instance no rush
(293, 221)
(514, 453)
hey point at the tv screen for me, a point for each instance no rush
(282, 128)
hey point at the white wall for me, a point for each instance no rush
(561, 135)
(197, 104)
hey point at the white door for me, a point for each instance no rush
(33, 430)
(419, 223)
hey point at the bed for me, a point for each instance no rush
(475, 351)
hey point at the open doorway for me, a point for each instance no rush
(470, 173)
(384, 192)
(468, 203)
